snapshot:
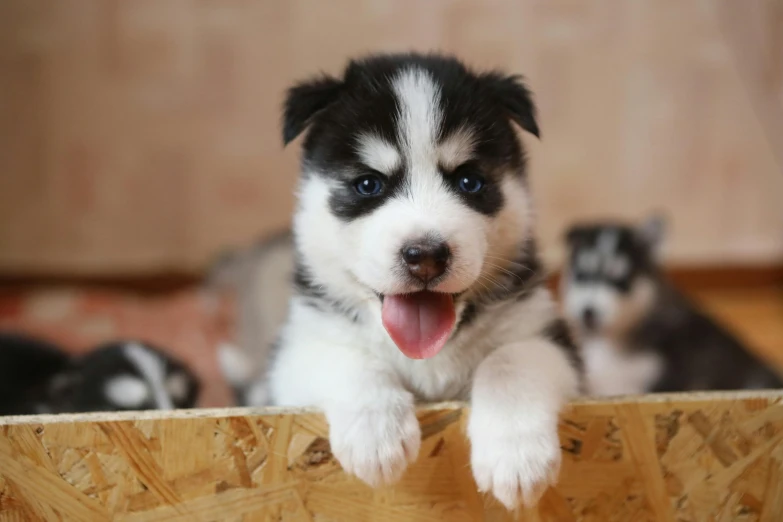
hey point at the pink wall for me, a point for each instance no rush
(143, 135)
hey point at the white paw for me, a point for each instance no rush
(375, 443)
(514, 462)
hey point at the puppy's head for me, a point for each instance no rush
(413, 185)
(608, 282)
(124, 376)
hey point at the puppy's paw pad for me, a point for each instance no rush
(375, 445)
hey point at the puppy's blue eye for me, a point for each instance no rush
(471, 183)
(368, 185)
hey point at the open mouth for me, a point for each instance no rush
(419, 323)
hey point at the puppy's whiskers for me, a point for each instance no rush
(505, 271)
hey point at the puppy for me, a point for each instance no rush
(638, 334)
(417, 277)
(39, 377)
(27, 365)
(259, 278)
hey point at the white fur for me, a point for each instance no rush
(237, 367)
(456, 149)
(367, 389)
(588, 261)
(617, 267)
(517, 391)
(607, 242)
(353, 371)
(611, 370)
(370, 245)
(378, 154)
(239, 371)
(177, 386)
(127, 391)
(615, 311)
(153, 368)
(419, 115)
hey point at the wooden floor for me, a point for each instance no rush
(755, 314)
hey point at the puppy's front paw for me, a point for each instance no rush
(515, 463)
(375, 444)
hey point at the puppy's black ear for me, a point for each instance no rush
(516, 100)
(303, 101)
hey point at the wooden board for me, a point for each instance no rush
(711, 457)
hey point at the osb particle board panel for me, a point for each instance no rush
(680, 457)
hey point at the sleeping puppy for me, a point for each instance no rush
(39, 377)
(417, 277)
(637, 333)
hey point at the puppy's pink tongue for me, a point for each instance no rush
(420, 323)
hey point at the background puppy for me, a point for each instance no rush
(259, 278)
(637, 333)
(27, 366)
(416, 272)
(38, 377)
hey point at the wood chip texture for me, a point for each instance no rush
(673, 458)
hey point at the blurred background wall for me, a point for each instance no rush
(140, 136)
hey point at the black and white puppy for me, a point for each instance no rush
(637, 333)
(417, 277)
(38, 377)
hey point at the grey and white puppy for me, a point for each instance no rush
(259, 278)
(637, 333)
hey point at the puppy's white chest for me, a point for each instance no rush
(444, 377)
(611, 371)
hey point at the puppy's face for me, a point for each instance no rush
(608, 282)
(413, 176)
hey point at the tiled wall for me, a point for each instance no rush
(143, 135)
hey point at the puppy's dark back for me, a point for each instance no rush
(700, 352)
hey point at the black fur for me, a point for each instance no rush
(27, 365)
(89, 373)
(39, 377)
(489, 201)
(630, 244)
(698, 352)
(348, 205)
(304, 101)
(516, 99)
(338, 111)
(559, 333)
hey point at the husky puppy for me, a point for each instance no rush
(39, 377)
(259, 278)
(416, 273)
(637, 333)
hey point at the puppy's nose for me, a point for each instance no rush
(589, 318)
(426, 260)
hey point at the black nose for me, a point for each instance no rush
(426, 260)
(589, 318)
